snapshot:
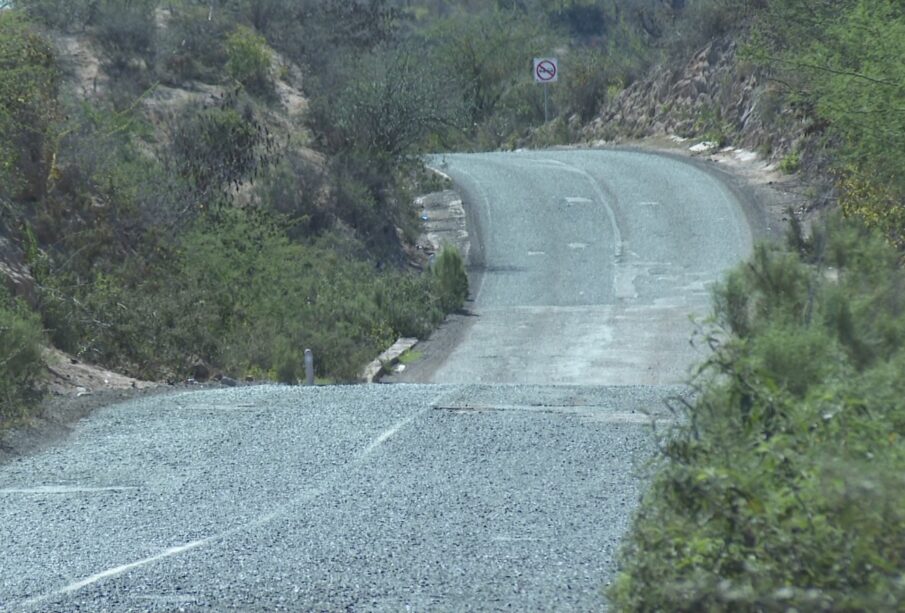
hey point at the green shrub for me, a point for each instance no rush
(783, 488)
(220, 148)
(29, 109)
(452, 281)
(249, 59)
(21, 362)
(66, 15)
(242, 297)
(127, 29)
(192, 45)
(790, 163)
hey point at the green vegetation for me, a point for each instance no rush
(783, 489)
(21, 364)
(161, 235)
(843, 64)
(239, 294)
(410, 357)
(791, 163)
(248, 59)
(452, 281)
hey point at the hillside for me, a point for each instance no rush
(172, 208)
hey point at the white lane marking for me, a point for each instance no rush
(179, 549)
(649, 203)
(536, 253)
(617, 235)
(576, 200)
(64, 489)
(578, 245)
(385, 436)
(114, 572)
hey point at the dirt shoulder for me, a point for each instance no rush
(74, 390)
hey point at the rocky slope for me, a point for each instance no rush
(715, 95)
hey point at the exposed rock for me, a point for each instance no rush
(14, 273)
(200, 371)
(713, 93)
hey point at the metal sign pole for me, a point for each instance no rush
(546, 111)
(546, 71)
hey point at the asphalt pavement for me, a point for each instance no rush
(591, 265)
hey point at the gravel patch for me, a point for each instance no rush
(332, 498)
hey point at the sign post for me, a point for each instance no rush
(546, 71)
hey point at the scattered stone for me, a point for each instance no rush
(200, 371)
(703, 147)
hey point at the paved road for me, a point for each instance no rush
(451, 497)
(589, 264)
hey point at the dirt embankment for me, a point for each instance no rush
(717, 94)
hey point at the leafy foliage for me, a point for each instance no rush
(66, 15)
(452, 280)
(241, 296)
(128, 31)
(783, 489)
(844, 63)
(384, 106)
(21, 363)
(248, 59)
(221, 146)
(29, 83)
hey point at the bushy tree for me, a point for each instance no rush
(220, 147)
(383, 105)
(249, 59)
(127, 29)
(29, 110)
(782, 486)
(844, 65)
(21, 363)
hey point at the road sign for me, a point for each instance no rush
(546, 70)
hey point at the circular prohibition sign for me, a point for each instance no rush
(546, 71)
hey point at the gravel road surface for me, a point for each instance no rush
(345, 498)
(504, 485)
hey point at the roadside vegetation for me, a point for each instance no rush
(21, 363)
(173, 213)
(783, 488)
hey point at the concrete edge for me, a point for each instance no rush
(376, 369)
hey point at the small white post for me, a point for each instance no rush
(309, 367)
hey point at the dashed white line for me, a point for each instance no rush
(64, 489)
(385, 436)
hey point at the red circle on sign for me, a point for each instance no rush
(546, 70)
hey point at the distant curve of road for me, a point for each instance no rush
(506, 484)
(588, 265)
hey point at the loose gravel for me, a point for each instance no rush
(378, 498)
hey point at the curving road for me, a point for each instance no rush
(483, 493)
(588, 265)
